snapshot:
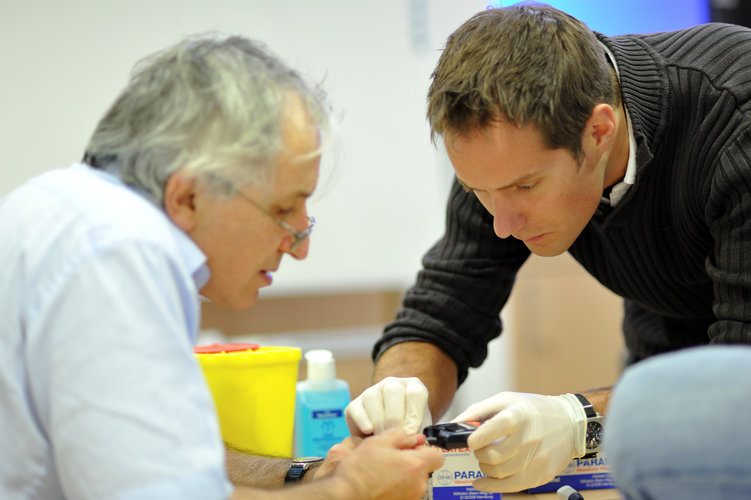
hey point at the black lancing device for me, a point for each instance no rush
(450, 435)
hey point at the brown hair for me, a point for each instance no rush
(528, 64)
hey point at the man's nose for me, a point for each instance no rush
(507, 218)
(300, 252)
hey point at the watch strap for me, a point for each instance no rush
(589, 410)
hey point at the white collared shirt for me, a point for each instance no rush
(100, 394)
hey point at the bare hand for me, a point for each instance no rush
(336, 454)
(390, 466)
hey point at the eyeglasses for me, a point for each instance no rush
(298, 237)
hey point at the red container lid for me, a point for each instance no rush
(223, 348)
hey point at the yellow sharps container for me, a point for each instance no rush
(254, 393)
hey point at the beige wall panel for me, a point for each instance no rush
(305, 312)
(565, 328)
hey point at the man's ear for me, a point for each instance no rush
(601, 127)
(180, 199)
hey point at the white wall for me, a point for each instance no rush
(381, 200)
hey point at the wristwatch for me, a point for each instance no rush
(299, 467)
(593, 439)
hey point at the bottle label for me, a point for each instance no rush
(320, 414)
(324, 429)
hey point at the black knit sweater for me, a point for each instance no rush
(677, 247)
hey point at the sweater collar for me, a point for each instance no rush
(643, 90)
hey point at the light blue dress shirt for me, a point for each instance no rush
(100, 394)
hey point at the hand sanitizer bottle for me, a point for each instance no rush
(319, 406)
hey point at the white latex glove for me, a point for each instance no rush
(392, 402)
(525, 439)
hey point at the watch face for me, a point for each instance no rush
(298, 467)
(594, 435)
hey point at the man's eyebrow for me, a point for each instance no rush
(302, 193)
(521, 180)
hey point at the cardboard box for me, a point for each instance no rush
(453, 481)
(581, 474)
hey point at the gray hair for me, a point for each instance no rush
(210, 105)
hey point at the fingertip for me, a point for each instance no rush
(437, 459)
(483, 484)
(481, 438)
(359, 434)
(357, 419)
(473, 442)
(360, 428)
(402, 440)
(366, 426)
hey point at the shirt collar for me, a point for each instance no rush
(193, 258)
(619, 190)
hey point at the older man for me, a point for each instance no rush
(195, 181)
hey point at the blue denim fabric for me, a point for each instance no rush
(677, 426)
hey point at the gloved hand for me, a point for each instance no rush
(525, 439)
(392, 402)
